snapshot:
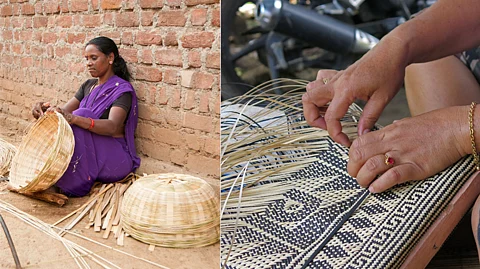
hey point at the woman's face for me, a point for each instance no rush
(97, 63)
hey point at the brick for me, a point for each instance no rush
(172, 57)
(17, 48)
(198, 40)
(76, 38)
(203, 165)
(39, 22)
(7, 35)
(49, 38)
(108, 19)
(146, 56)
(95, 4)
(200, 2)
(172, 18)
(37, 50)
(199, 16)
(217, 104)
(151, 3)
(79, 5)
(111, 4)
(146, 38)
(130, 55)
(178, 156)
(62, 51)
(6, 11)
(146, 18)
(198, 122)
(171, 39)
(174, 3)
(63, 21)
(127, 38)
(168, 136)
(115, 36)
(17, 22)
(144, 130)
(175, 98)
(77, 20)
(148, 73)
(170, 76)
(64, 6)
(212, 145)
(216, 17)
(189, 102)
(28, 9)
(204, 103)
(194, 141)
(194, 59)
(127, 19)
(213, 60)
(187, 78)
(91, 21)
(161, 97)
(151, 149)
(51, 7)
(150, 112)
(26, 62)
(49, 64)
(202, 80)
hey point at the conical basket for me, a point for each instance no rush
(7, 152)
(43, 155)
(171, 210)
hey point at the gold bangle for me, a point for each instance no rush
(472, 136)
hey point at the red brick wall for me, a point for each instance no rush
(172, 48)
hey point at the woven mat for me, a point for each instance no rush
(281, 229)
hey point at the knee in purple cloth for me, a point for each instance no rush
(76, 188)
(84, 112)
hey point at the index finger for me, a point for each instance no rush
(335, 112)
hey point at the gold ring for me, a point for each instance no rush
(389, 160)
(325, 80)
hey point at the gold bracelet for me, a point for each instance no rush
(472, 136)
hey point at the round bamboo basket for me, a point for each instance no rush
(43, 155)
(171, 210)
(7, 152)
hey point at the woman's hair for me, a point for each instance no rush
(107, 46)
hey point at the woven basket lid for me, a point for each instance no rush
(171, 210)
(7, 152)
(43, 155)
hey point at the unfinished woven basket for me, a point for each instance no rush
(171, 210)
(43, 155)
(7, 152)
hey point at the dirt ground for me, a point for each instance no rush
(38, 250)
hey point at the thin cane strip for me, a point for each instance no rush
(472, 136)
(239, 204)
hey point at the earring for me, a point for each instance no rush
(111, 62)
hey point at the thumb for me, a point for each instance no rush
(371, 113)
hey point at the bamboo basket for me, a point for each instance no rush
(43, 155)
(7, 152)
(171, 210)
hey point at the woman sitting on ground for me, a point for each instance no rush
(103, 116)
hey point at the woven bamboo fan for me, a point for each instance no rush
(7, 152)
(43, 155)
(171, 210)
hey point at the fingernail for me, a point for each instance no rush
(371, 189)
(366, 131)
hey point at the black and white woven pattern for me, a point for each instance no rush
(288, 228)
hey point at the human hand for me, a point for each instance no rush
(421, 146)
(375, 78)
(67, 115)
(39, 108)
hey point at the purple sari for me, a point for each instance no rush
(98, 157)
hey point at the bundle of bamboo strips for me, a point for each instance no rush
(7, 152)
(103, 209)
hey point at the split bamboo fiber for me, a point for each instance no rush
(43, 155)
(171, 210)
(7, 152)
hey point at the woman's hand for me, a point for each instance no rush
(40, 108)
(375, 78)
(67, 115)
(421, 146)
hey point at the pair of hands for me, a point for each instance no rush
(421, 146)
(40, 108)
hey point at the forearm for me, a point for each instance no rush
(446, 28)
(100, 126)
